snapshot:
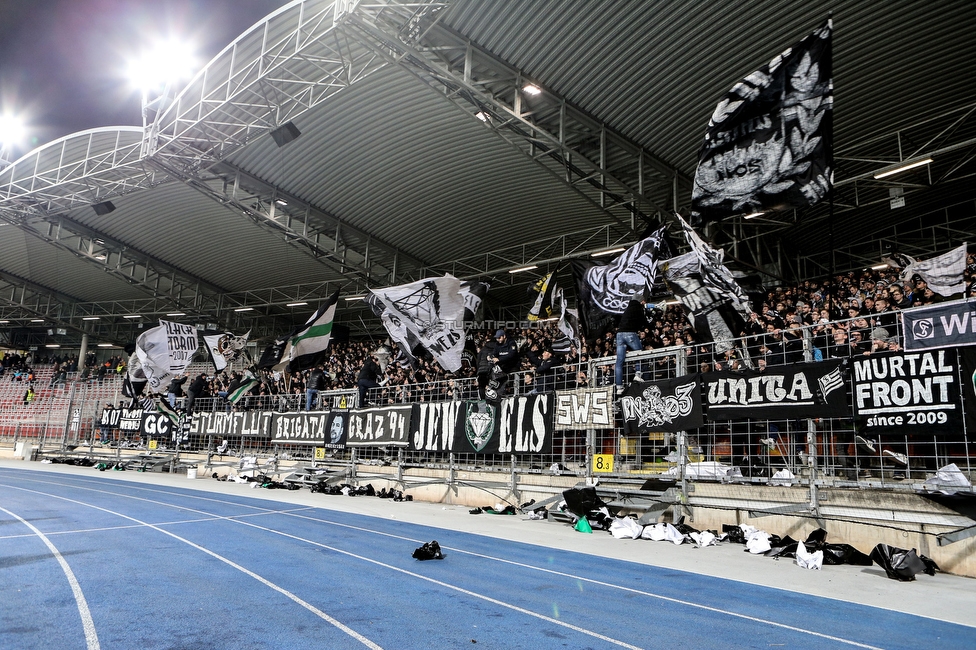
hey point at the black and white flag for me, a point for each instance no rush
(943, 274)
(769, 141)
(568, 326)
(165, 351)
(628, 276)
(603, 290)
(430, 312)
(225, 348)
(714, 303)
(473, 294)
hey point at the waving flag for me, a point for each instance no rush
(544, 305)
(942, 274)
(430, 312)
(306, 346)
(769, 142)
(225, 348)
(603, 290)
(714, 303)
(165, 351)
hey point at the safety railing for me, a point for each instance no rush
(815, 452)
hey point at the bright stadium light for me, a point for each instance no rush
(164, 62)
(13, 132)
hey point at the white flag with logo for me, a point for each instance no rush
(942, 274)
(225, 348)
(166, 351)
(432, 311)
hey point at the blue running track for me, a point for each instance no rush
(92, 563)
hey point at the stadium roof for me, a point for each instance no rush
(352, 145)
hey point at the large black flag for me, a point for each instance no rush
(603, 290)
(769, 141)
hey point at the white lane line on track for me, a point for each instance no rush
(158, 490)
(312, 608)
(91, 636)
(446, 585)
(496, 559)
(174, 522)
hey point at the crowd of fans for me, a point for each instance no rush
(848, 314)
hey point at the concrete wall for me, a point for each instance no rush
(862, 518)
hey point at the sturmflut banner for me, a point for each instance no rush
(589, 408)
(802, 390)
(249, 424)
(322, 428)
(380, 427)
(671, 405)
(940, 325)
(909, 393)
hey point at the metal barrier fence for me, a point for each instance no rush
(817, 453)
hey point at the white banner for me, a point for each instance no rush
(432, 311)
(589, 408)
(165, 352)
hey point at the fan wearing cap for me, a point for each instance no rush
(882, 341)
(505, 359)
(506, 352)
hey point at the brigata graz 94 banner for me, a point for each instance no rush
(909, 393)
(802, 390)
(669, 405)
(322, 428)
(380, 427)
(518, 425)
(587, 408)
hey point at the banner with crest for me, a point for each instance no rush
(225, 348)
(670, 405)
(517, 425)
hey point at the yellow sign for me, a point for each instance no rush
(602, 462)
(342, 403)
(153, 444)
(320, 453)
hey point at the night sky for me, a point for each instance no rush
(63, 62)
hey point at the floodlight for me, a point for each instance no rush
(13, 132)
(165, 62)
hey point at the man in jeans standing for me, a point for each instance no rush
(316, 382)
(633, 320)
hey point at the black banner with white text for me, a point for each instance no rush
(909, 393)
(249, 424)
(380, 427)
(321, 428)
(670, 405)
(802, 390)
